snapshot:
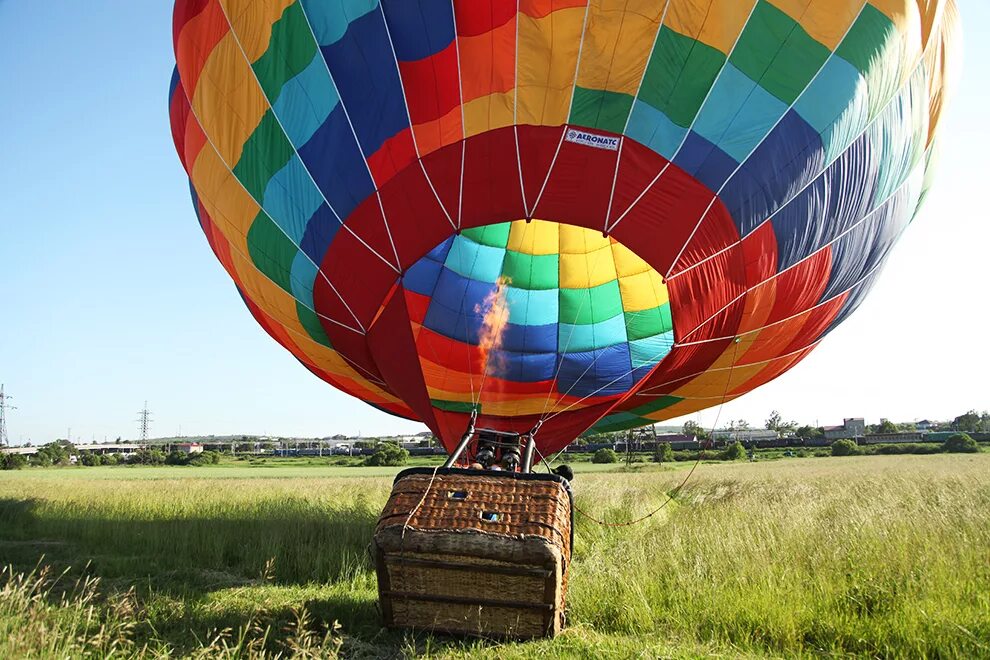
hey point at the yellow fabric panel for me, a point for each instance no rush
(716, 23)
(582, 271)
(616, 44)
(581, 240)
(712, 384)
(940, 78)
(538, 237)
(685, 407)
(547, 60)
(224, 198)
(826, 22)
(487, 113)
(627, 262)
(266, 294)
(252, 22)
(906, 16)
(642, 291)
(228, 102)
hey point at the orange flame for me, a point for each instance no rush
(495, 308)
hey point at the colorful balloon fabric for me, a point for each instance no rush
(592, 214)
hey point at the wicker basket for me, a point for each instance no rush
(484, 553)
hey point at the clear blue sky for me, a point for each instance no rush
(111, 296)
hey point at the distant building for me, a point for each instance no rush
(924, 425)
(745, 435)
(852, 428)
(189, 448)
(894, 438)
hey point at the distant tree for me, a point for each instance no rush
(12, 461)
(776, 423)
(887, 426)
(734, 452)
(960, 443)
(388, 454)
(148, 456)
(605, 455)
(692, 427)
(809, 432)
(739, 425)
(845, 448)
(968, 422)
(176, 457)
(664, 453)
(90, 458)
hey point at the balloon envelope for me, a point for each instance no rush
(595, 214)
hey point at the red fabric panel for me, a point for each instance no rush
(771, 371)
(415, 218)
(393, 349)
(537, 146)
(491, 179)
(579, 185)
(760, 254)
(802, 286)
(817, 322)
(474, 18)
(431, 85)
(182, 13)
(195, 42)
(698, 295)
(395, 154)
(443, 166)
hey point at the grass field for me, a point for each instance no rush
(882, 556)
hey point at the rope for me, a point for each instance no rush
(680, 487)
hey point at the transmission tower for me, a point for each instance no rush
(4, 407)
(144, 422)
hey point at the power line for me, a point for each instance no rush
(144, 422)
(4, 407)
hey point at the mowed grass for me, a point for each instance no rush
(881, 556)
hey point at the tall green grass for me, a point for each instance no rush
(870, 556)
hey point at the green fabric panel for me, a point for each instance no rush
(648, 322)
(311, 322)
(290, 50)
(656, 404)
(616, 422)
(594, 305)
(528, 271)
(271, 251)
(453, 406)
(777, 53)
(598, 108)
(491, 235)
(265, 153)
(679, 75)
(867, 38)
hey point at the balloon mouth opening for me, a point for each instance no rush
(535, 317)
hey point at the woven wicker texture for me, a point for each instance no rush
(480, 554)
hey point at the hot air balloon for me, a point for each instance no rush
(563, 214)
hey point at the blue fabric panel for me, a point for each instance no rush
(787, 160)
(329, 18)
(439, 253)
(704, 161)
(419, 28)
(899, 133)
(337, 164)
(320, 231)
(303, 276)
(599, 373)
(306, 101)
(654, 129)
(738, 113)
(451, 311)
(826, 98)
(647, 352)
(865, 246)
(368, 82)
(580, 338)
(532, 307)
(474, 260)
(530, 338)
(855, 299)
(422, 276)
(639, 373)
(524, 367)
(830, 205)
(291, 199)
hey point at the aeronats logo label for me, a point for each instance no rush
(592, 140)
